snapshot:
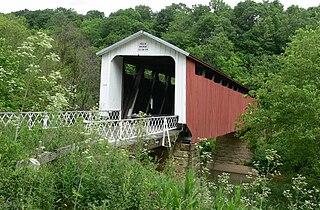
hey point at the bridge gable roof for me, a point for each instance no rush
(137, 35)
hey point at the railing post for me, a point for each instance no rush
(121, 130)
(165, 130)
(30, 121)
(45, 121)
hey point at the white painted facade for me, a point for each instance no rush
(139, 44)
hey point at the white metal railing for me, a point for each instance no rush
(56, 119)
(105, 123)
(127, 129)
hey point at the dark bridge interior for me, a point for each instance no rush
(148, 85)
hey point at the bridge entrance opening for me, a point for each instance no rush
(148, 85)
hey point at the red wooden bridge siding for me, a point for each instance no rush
(211, 108)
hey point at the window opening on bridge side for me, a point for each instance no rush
(130, 69)
(148, 74)
(214, 77)
(173, 81)
(162, 77)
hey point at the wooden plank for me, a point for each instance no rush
(150, 101)
(166, 84)
(136, 88)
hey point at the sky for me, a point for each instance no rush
(108, 6)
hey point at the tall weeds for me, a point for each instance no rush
(101, 176)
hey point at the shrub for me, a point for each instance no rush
(102, 176)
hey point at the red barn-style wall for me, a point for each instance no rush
(212, 108)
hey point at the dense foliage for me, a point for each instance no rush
(243, 41)
(48, 62)
(286, 115)
(101, 176)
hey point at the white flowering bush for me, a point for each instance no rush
(224, 194)
(300, 196)
(205, 149)
(258, 189)
(271, 162)
(253, 194)
(30, 76)
(40, 71)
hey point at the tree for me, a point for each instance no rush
(93, 28)
(13, 29)
(257, 26)
(80, 66)
(260, 39)
(62, 15)
(147, 17)
(94, 14)
(199, 10)
(219, 52)
(10, 83)
(179, 32)
(219, 6)
(37, 19)
(211, 24)
(145, 12)
(165, 16)
(287, 111)
(295, 18)
(121, 24)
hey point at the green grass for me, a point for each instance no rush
(101, 176)
(19, 143)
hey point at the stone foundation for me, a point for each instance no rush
(185, 155)
(231, 156)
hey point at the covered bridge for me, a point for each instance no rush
(145, 73)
